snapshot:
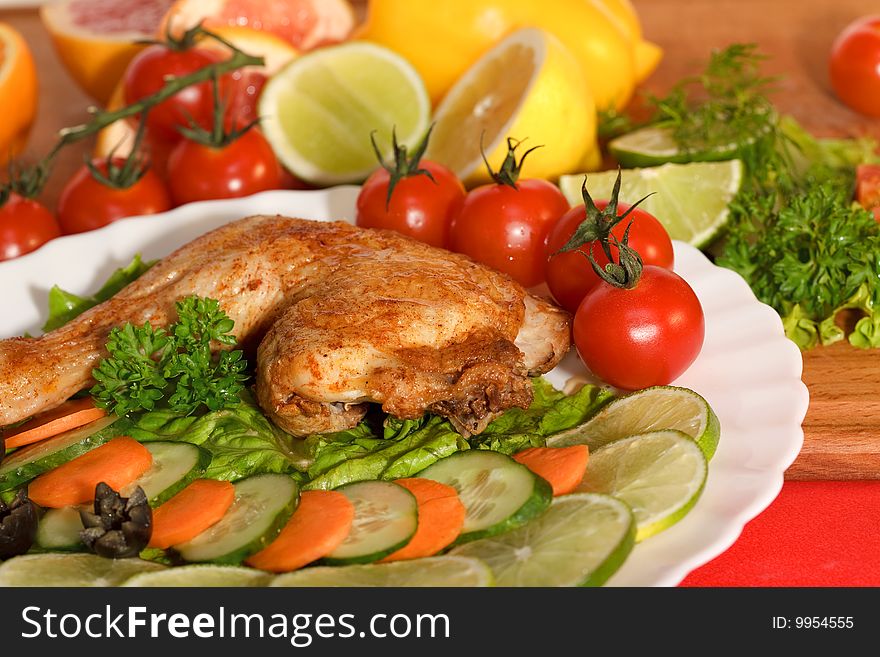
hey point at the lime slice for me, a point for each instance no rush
(201, 576)
(651, 409)
(691, 200)
(429, 572)
(581, 540)
(319, 110)
(660, 475)
(653, 145)
(71, 570)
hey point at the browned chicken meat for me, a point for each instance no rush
(339, 316)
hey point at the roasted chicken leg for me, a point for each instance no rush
(341, 316)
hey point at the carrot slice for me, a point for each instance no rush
(563, 467)
(117, 463)
(72, 414)
(441, 517)
(319, 525)
(193, 510)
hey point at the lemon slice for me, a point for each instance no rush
(319, 110)
(652, 409)
(201, 576)
(528, 87)
(690, 200)
(660, 475)
(71, 570)
(581, 540)
(430, 572)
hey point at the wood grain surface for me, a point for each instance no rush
(842, 428)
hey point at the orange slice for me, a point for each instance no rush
(96, 39)
(18, 89)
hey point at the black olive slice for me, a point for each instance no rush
(18, 525)
(120, 527)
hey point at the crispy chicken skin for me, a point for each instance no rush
(341, 316)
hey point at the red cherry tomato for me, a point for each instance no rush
(507, 228)
(86, 203)
(146, 75)
(197, 172)
(241, 93)
(25, 225)
(420, 207)
(570, 275)
(640, 337)
(868, 187)
(855, 65)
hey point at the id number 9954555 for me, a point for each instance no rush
(814, 622)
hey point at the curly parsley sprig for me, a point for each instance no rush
(148, 365)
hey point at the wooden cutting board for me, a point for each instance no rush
(842, 428)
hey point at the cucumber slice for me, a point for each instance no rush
(175, 465)
(498, 493)
(385, 518)
(262, 506)
(59, 529)
(32, 461)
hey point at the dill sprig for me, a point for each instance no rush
(726, 104)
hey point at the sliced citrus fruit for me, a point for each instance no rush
(545, 102)
(656, 145)
(201, 576)
(652, 409)
(18, 89)
(303, 23)
(96, 39)
(276, 52)
(581, 540)
(690, 200)
(71, 570)
(660, 475)
(429, 572)
(318, 112)
(444, 39)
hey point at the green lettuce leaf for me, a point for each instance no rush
(807, 332)
(406, 447)
(241, 440)
(65, 306)
(551, 411)
(358, 454)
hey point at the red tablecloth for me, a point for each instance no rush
(816, 533)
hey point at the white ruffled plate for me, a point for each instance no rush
(748, 371)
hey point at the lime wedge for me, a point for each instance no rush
(691, 200)
(581, 540)
(651, 409)
(201, 576)
(660, 475)
(428, 572)
(653, 145)
(319, 110)
(71, 570)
